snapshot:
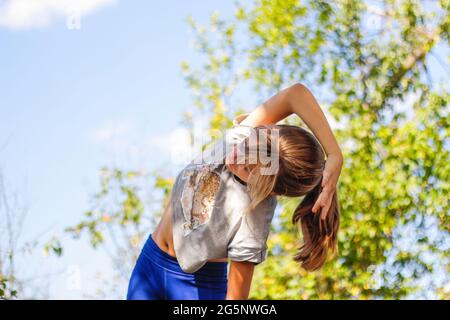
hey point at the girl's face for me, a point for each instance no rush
(241, 170)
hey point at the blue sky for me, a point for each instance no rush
(72, 101)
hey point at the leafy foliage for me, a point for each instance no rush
(396, 170)
(374, 80)
(6, 292)
(122, 215)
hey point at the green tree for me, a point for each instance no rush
(122, 214)
(16, 282)
(369, 67)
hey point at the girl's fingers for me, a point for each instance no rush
(325, 212)
(325, 197)
(329, 181)
(328, 202)
(323, 203)
(318, 203)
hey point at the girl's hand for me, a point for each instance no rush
(331, 174)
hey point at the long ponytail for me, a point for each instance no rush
(319, 235)
(300, 173)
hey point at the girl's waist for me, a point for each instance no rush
(153, 252)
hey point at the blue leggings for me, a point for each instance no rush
(158, 276)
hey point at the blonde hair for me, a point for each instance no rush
(260, 184)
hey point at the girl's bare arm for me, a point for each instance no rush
(296, 99)
(239, 280)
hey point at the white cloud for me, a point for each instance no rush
(175, 145)
(126, 139)
(23, 14)
(110, 130)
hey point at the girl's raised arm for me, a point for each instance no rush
(298, 99)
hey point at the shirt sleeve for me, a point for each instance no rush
(250, 240)
(238, 132)
(238, 119)
(215, 152)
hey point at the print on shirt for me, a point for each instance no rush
(198, 196)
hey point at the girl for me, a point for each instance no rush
(215, 227)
